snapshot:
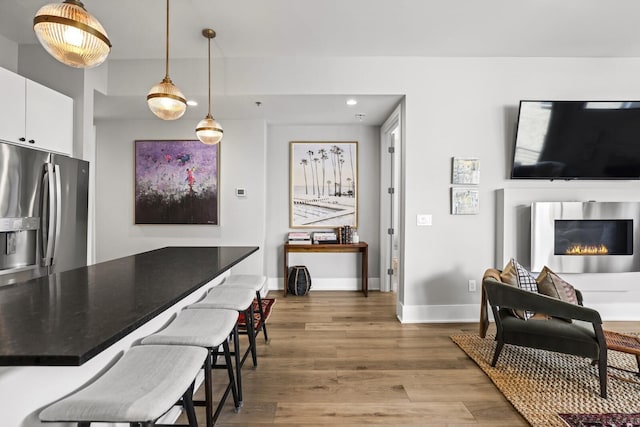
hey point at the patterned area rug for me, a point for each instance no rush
(542, 384)
(267, 304)
(602, 420)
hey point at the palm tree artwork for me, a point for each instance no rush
(329, 202)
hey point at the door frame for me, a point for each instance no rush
(386, 130)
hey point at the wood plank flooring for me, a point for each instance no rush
(338, 358)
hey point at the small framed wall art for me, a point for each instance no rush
(465, 171)
(323, 184)
(465, 201)
(176, 182)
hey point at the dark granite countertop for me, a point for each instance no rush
(67, 318)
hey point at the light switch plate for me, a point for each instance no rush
(423, 219)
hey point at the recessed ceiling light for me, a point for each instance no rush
(352, 102)
(192, 103)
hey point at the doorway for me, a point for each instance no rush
(390, 206)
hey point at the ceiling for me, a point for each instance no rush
(257, 28)
(286, 28)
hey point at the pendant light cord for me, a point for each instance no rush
(166, 60)
(209, 40)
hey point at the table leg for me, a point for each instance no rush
(285, 271)
(365, 271)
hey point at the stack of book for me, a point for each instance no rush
(299, 238)
(325, 237)
(345, 234)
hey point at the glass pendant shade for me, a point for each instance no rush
(209, 131)
(166, 101)
(71, 34)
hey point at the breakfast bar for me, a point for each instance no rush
(58, 331)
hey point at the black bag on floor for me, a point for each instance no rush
(299, 281)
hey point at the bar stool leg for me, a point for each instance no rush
(236, 353)
(252, 339)
(232, 380)
(208, 391)
(261, 310)
(251, 333)
(187, 403)
(232, 383)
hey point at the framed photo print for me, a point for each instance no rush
(176, 182)
(323, 184)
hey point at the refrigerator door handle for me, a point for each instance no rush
(58, 211)
(48, 214)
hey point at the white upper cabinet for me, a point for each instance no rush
(12, 110)
(35, 115)
(49, 119)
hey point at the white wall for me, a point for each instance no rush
(466, 109)
(242, 164)
(8, 54)
(328, 271)
(454, 107)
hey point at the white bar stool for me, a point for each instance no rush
(239, 300)
(208, 329)
(138, 389)
(255, 282)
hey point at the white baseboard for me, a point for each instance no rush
(438, 313)
(454, 313)
(618, 312)
(329, 284)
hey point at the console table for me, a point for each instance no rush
(361, 248)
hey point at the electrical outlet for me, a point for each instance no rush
(472, 285)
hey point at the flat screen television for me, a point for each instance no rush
(577, 140)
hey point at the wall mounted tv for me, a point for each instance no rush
(577, 140)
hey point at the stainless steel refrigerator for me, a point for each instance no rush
(43, 213)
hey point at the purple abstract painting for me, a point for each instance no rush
(176, 182)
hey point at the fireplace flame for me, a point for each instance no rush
(578, 249)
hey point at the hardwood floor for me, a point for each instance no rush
(337, 358)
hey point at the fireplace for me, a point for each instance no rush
(584, 237)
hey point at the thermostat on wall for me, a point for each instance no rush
(241, 192)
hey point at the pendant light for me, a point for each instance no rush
(71, 34)
(209, 131)
(164, 99)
